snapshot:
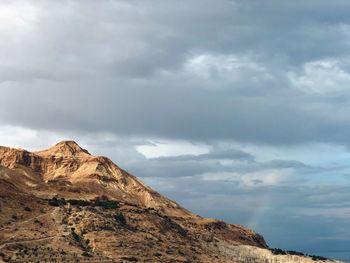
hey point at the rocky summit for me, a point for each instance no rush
(65, 205)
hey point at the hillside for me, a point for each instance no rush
(65, 205)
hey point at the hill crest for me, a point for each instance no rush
(144, 224)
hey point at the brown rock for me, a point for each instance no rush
(89, 208)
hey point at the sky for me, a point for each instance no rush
(236, 109)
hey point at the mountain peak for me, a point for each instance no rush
(68, 143)
(65, 148)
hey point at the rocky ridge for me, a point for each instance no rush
(65, 205)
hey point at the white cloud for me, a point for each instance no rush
(229, 67)
(17, 16)
(264, 177)
(161, 148)
(21, 137)
(322, 77)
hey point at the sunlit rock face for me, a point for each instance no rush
(65, 204)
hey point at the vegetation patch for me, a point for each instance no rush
(14, 217)
(120, 218)
(28, 209)
(107, 204)
(278, 251)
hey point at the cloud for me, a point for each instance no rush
(225, 71)
(323, 77)
(250, 99)
(279, 198)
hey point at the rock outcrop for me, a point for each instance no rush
(64, 204)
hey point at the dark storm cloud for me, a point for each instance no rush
(235, 70)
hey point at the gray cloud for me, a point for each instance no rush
(116, 74)
(230, 71)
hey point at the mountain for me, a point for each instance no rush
(65, 205)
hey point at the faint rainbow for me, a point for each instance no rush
(262, 205)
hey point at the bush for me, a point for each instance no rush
(77, 202)
(36, 221)
(278, 251)
(57, 202)
(28, 209)
(296, 253)
(120, 218)
(317, 258)
(108, 204)
(76, 237)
